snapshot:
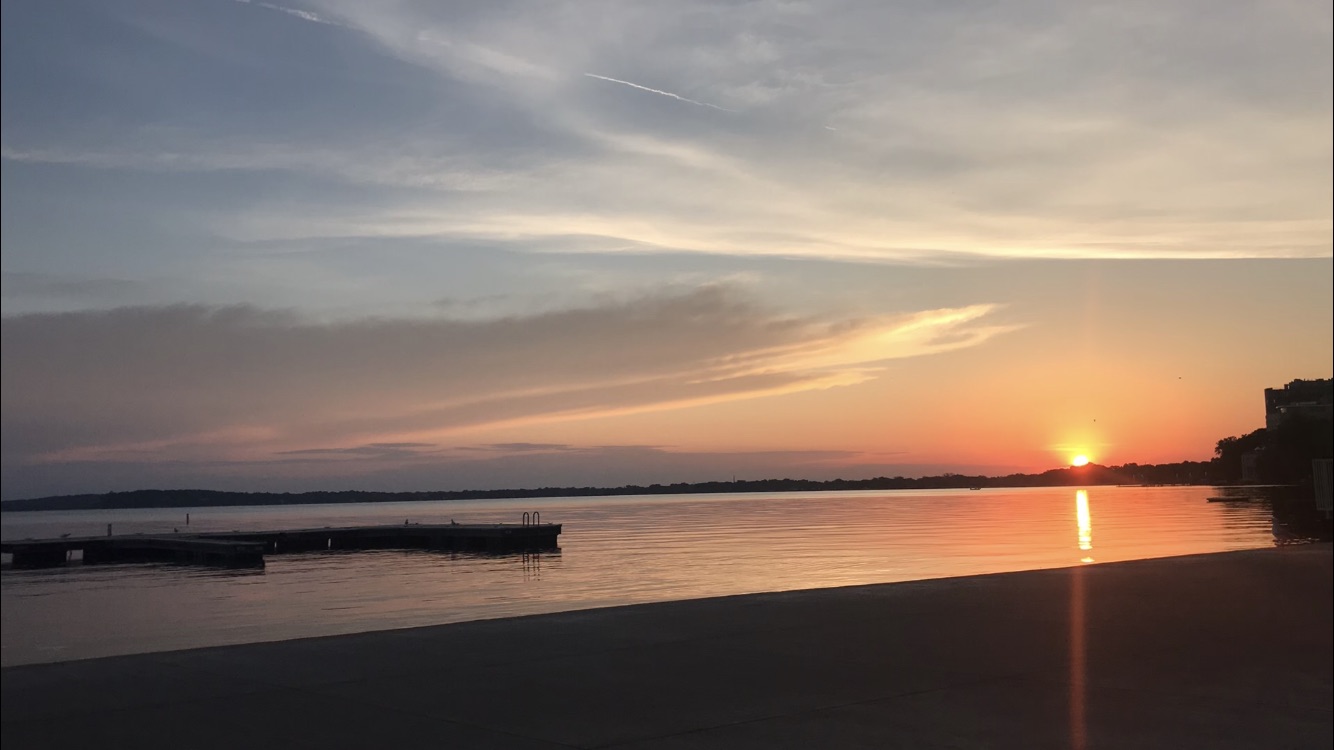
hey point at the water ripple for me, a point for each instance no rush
(613, 551)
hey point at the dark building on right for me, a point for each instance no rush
(1312, 399)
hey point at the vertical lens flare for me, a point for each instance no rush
(1078, 719)
(1078, 696)
(1084, 521)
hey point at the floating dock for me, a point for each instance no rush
(248, 548)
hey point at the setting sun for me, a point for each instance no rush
(1079, 460)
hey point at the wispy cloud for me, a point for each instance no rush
(1025, 133)
(600, 466)
(660, 92)
(181, 381)
(369, 165)
(82, 290)
(521, 447)
(219, 154)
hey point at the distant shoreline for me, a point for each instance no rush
(1187, 473)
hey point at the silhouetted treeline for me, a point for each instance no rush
(1279, 456)
(1282, 455)
(1184, 473)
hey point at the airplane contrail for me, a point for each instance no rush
(304, 15)
(678, 97)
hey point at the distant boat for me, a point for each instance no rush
(1222, 499)
(974, 488)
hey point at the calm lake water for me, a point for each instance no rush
(614, 550)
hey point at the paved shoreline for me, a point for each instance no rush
(1229, 650)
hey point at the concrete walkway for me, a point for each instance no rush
(1229, 650)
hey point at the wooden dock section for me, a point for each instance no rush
(492, 537)
(183, 548)
(248, 548)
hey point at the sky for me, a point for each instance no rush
(344, 244)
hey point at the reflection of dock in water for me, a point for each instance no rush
(248, 548)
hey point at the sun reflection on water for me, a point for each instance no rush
(613, 551)
(1085, 523)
